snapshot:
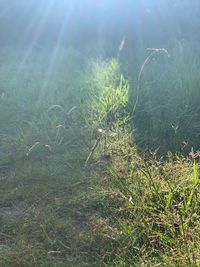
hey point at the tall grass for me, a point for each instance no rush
(122, 208)
(166, 116)
(149, 207)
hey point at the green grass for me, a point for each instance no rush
(167, 98)
(122, 208)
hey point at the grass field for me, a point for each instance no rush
(73, 160)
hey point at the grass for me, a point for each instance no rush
(167, 100)
(153, 214)
(122, 208)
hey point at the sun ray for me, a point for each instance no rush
(38, 31)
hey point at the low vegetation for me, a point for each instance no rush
(96, 170)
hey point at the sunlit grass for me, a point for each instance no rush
(122, 208)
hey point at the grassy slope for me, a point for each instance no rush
(122, 209)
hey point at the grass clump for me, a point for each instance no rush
(166, 113)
